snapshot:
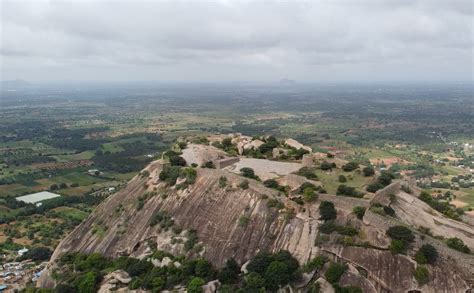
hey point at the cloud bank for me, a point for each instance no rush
(371, 40)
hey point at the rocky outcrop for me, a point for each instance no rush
(115, 281)
(214, 212)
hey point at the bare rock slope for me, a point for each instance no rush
(119, 226)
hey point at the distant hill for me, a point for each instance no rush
(286, 81)
(14, 84)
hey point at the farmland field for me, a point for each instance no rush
(52, 135)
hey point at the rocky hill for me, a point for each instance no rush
(231, 221)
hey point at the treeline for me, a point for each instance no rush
(266, 272)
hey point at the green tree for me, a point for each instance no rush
(325, 166)
(260, 262)
(276, 275)
(195, 285)
(327, 211)
(368, 171)
(400, 233)
(230, 273)
(38, 254)
(254, 282)
(88, 282)
(351, 166)
(227, 142)
(426, 254)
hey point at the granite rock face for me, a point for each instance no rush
(215, 212)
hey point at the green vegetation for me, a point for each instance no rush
(383, 180)
(222, 181)
(330, 227)
(335, 272)
(348, 191)
(351, 166)
(421, 275)
(327, 211)
(368, 171)
(276, 270)
(307, 172)
(401, 238)
(249, 173)
(359, 212)
(458, 244)
(309, 195)
(441, 206)
(244, 184)
(426, 254)
(316, 263)
(162, 218)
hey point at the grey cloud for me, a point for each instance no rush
(235, 40)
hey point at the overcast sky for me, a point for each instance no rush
(367, 40)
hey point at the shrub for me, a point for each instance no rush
(244, 221)
(162, 218)
(275, 203)
(222, 181)
(316, 263)
(334, 272)
(308, 173)
(325, 166)
(426, 254)
(359, 212)
(306, 185)
(457, 244)
(400, 233)
(368, 171)
(209, 165)
(383, 180)
(351, 166)
(195, 285)
(373, 187)
(421, 275)
(327, 211)
(348, 191)
(249, 173)
(309, 195)
(389, 211)
(170, 174)
(244, 184)
(177, 161)
(342, 178)
(271, 183)
(88, 282)
(398, 247)
(330, 227)
(191, 241)
(406, 189)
